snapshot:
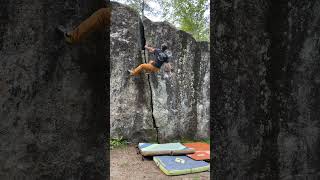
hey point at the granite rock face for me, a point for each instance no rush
(180, 102)
(265, 101)
(52, 96)
(168, 108)
(130, 108)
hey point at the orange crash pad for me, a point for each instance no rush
(202, 150)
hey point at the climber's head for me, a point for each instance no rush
(164, 47)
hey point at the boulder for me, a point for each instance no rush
(150, 107)
(180, 102)
(130, 108)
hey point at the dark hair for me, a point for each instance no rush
(164, 47)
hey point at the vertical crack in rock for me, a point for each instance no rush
(151, 99)
(151, 104)
(126, 54)
(174, 105)
(143, 38)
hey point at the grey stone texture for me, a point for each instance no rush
(52, 95)
(265, 94)
(130, 111)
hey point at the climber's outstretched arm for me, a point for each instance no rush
(150, 49)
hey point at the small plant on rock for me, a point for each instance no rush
(117, 142)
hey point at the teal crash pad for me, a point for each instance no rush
(148, 149)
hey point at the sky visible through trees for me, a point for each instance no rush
(189, 15)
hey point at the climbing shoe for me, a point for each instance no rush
(61, 30)
(130, 72)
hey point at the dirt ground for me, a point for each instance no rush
(127, 164)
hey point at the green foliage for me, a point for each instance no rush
(206, 141)
(196, 178)
(117, 142)
(138, 4)
(184, 140)
(189, 15)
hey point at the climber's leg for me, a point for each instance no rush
(148, 71)
(147, 67)
(98, 20)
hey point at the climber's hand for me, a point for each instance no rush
(150, 49)
(167, 67)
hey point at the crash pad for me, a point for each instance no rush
(202, 150)
(177, 165)
(148, 149)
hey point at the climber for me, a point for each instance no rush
(97, 21)
(153, 66)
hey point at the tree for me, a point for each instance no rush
(188, 15)
(137, 5)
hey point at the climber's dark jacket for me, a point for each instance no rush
(160, 58)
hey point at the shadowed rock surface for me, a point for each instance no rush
(52, 95)
(265, 101)
(180, 104)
